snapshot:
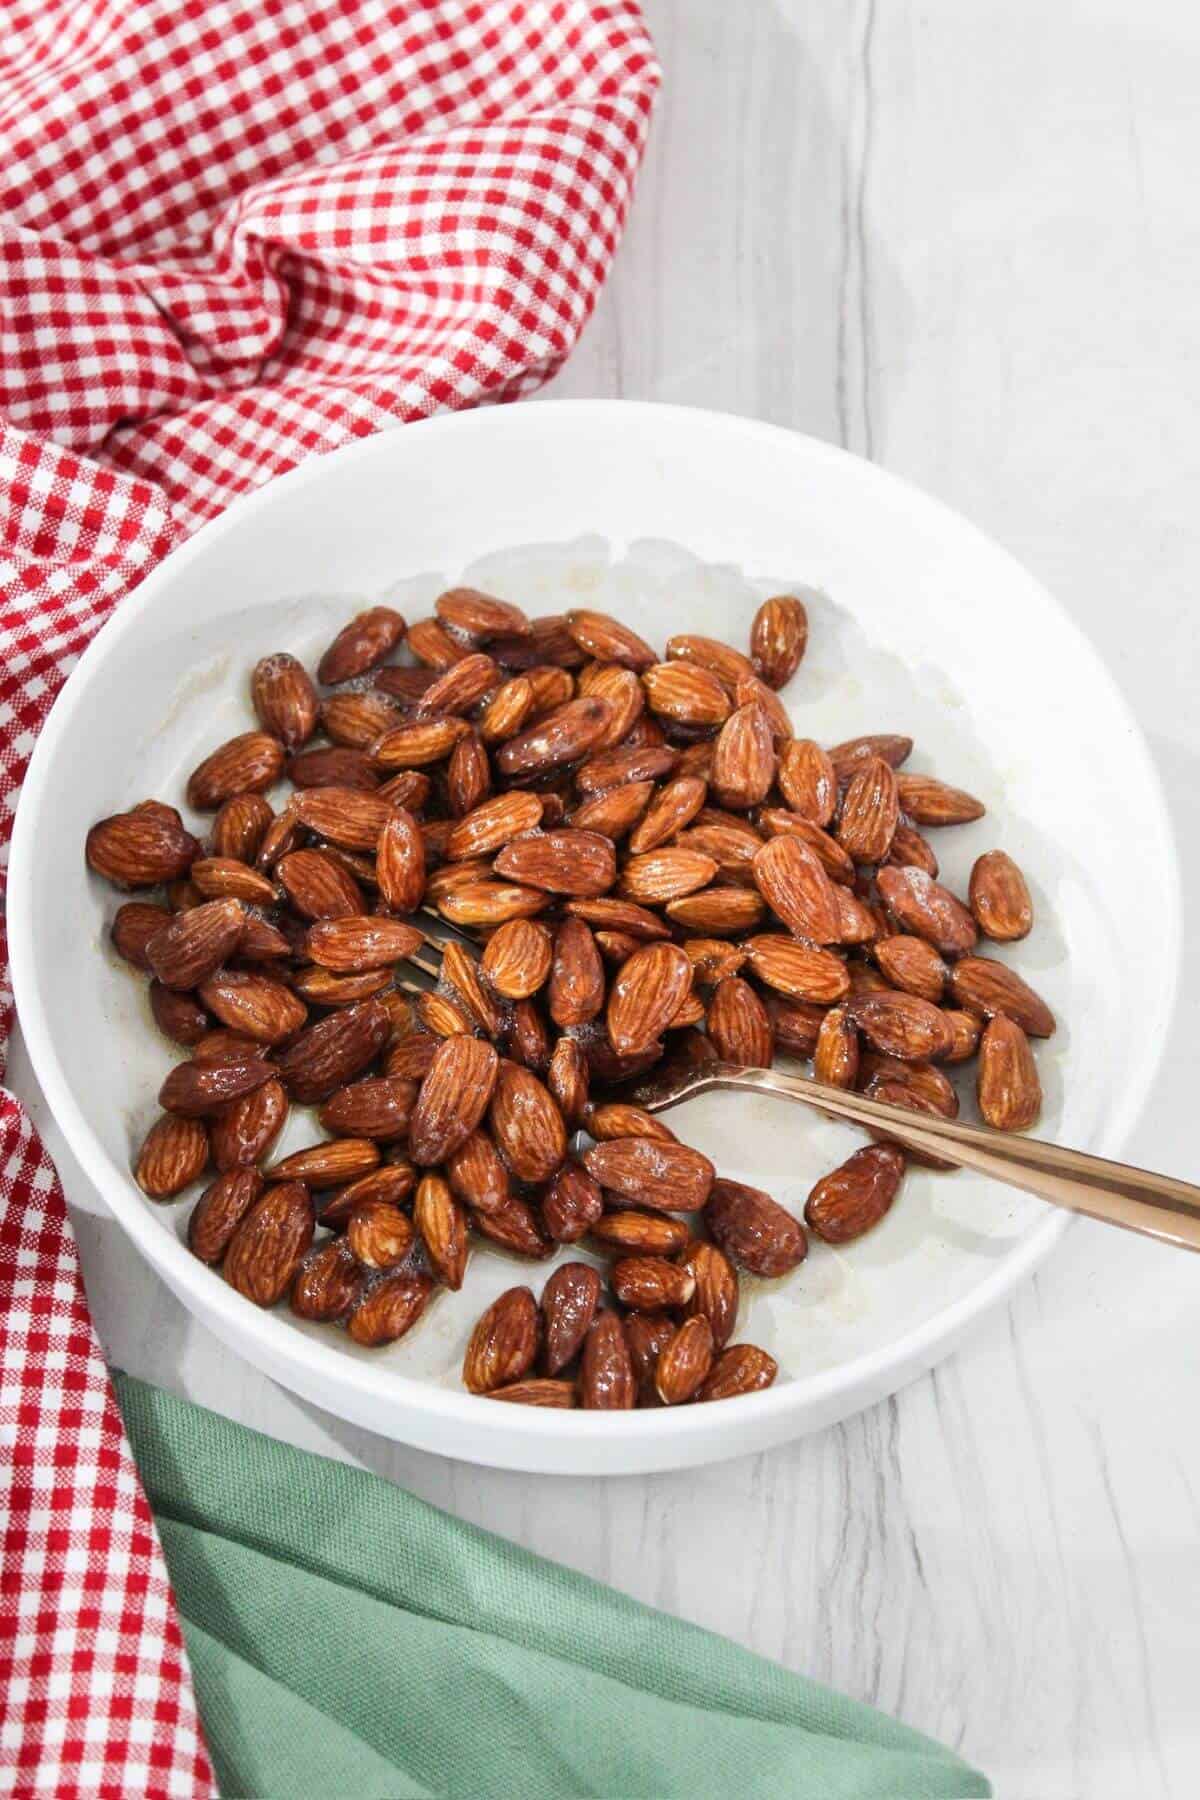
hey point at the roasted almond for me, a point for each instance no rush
(411, 1055)
(328, 1283)
(433, 645)
(807, 780)
(999, 898)
(334, 766)
(685, 1362)
(571, 1203)
(528, 1129)
(794, 885)
(606, 1380)
(333, 1051)
(318, 886)
(141, 849)
(541, 1391)
(1008, 1089)
(580, 863)
(361, 645)
(320, 987)
(870, 811)
(468, 784)
(744, 762)
(568, 1080)
(517, 957)
(835, 1059)
(576, 991)
(480, 615)
(666, 874)
(847, 757)
(913, 965)
(247, 764)
(178, 1016)
(669, 1177)
(351, 945)
(547, 643)
(194, 943)
(856, 1195)
(728, 664)
(930, 802)
(487, 903)
(799, 970)
(778, 638)
(461, 687)
(965, 1028)
(356, 720)
(911, 851)
(984, 986)
(504, 1343)
(712, 959)
(720, 911)
(650, 1283)
(674, 809)
(133, 926)
(837, 863)
(220, 1210)
(244, 1131)
(515, 1227)
(715, 1297)
(740, 1369)
(927, 909)
(686, 693)
(739, 1025)
(453, 1098)
(901, 1025)
(797, 1025)
(392, 1182)
(753, 1230)
(283, 696)
(624, 696)
(507, 710)
(224, 877)
(443, 1227)
(646, 995)
(569, 1301)
(618, 768)
(608, 640)
(378, 1108)
(493, 824)
(379, 1234)
(253, 1005)
(618, 1119)
(269, 1244)
(562, 736)
(922, 1079)
(615, 811)
(389, 1308)
(241, 824)
(417, 743)
(652, 1234)
(343, 815)
(173, 1155)
(196, 1090)
(618, 915)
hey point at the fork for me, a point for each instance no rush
(1156, 1206)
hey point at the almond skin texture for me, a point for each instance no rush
(753, 1230)
(389, 1308)
(225, 878)
(393, 1182)
(197, 1090)
(569, 1301)
(361, 645)
(798, 970)
(133, 927)
(716, 1292)
(856, 1195)
(710, 653)
(458, 689)
(240, 826)
(283, 696)
(848, 756)
(178, 1016)
(320, 987)
(356, 720)
(686, 693)
(528, 1129)
(617, 768)
(983, 986)
(794, 885)
(648, 1172)
(328, 1165)
(712, 960)
(743, 765)
(562, 737)
(141, 849)
(442, 1224)
(618, 915)
(333, 1051)
(515, 1227)
(870, 811)
(650, 1234)
(248, 764)
(675, 807)
(1008, 1089)
(220, 1210)
(333, 766)
(580, 863)
(650, 1283)
(999, 898)
(608, 640)
(538, 1392)
(741, 1369)
(837, 863)
(453, 1098)
(400, 862)
(517, 957)
(778, 639)
(244, 1131)
(480, 615)
(571, 1203)
(717, 911)
(740, 1026)
(910, 850)
(835, 1059)
(253, 1004)
(807, 780)
(616, 1119)
(432, 645)
(646, 995)
(487, 903)
(647, 1336)
(901, 1025)
(328, 1283)
(576, 992)
(616, 811)
(922, 1079)
(685, 1362)
(344, 815)
(504, 1343)
(797, 1025)
(477, 1174)
(568, 1080)
(928, 910)
(379, 1234)
(667, 874)
(318, 887)
(173, 1155)
(269, 1244)
(913, 965)
(360, 943)
(927, 801)
(494, 823)
(506, 711)
(606, 1379)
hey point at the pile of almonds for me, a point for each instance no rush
(651, 865)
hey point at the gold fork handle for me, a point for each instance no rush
(1157, 1206)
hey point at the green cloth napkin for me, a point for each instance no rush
(347, 1640)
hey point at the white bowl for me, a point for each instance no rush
(676, 520)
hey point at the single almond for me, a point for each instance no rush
(178, 1016)
(197, 1090)
(999, 898)
(356, 720)
(333, 765)
(928, 801)
(807, 780)
(799, 970)
(835, 1059)
(493, 824)
(378, 1108)
(361, 942)
(392, 1182)
(504, 1344)
(728, 664)
(568, 1079)
(794, 885)
(442, 1224)
(653, 1234)
(720, 911)
(569, 1301)
(244, 1131)
(685, 1362)
(141, 849)
(651, 1283)
(528, 1129)
(517, 957)
(192, 944)
(253, 1005)
(911, 851)
(740, 1369)
(240, 826)
(400, 862)
(318, 886)
(778, 638)
(379, 1234)
(753, 1230)
(856, 1195)
(836, 861)
(133, 926)
(563, 736)
(797, 1025)
(515, 1227)
(361, 645)
(667, 874)
(507, 711)
(739, 1025)
(389, 1308)
(668, 1177)
(480, 615)
(571, 1203)
(1008, 1089)
(674, 809)
(247, 764)
(343, 815)
(686, 693)
(646, 996)
(919, 1078)
(538, 1392)
(334, 1050)
(744, 760)
(579, 863)
(453, 1098)
(985, 986)
(606, 1379)
(576, 990)
(269, 1244)
(220, 1210)
(913, 965)
(488, 903)
(173, 1155)
(715, 1297)
(618, 915)
(619, 768)
(605, 638)
(622, 693)
(647, 1336)
(433, 645)
(901, 1025)
(328, 1283)
(618, 1119)
(848, 756)
(283, 696)
(928, 910)
(870, 811)
(615, 811)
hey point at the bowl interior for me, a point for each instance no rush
(672, 521)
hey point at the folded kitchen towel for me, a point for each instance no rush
(348, 1639)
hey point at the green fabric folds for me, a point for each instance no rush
(349, 1640)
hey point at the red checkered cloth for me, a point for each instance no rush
(232, 235)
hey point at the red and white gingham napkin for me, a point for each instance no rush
(233, 233)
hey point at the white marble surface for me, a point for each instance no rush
(962, 240)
